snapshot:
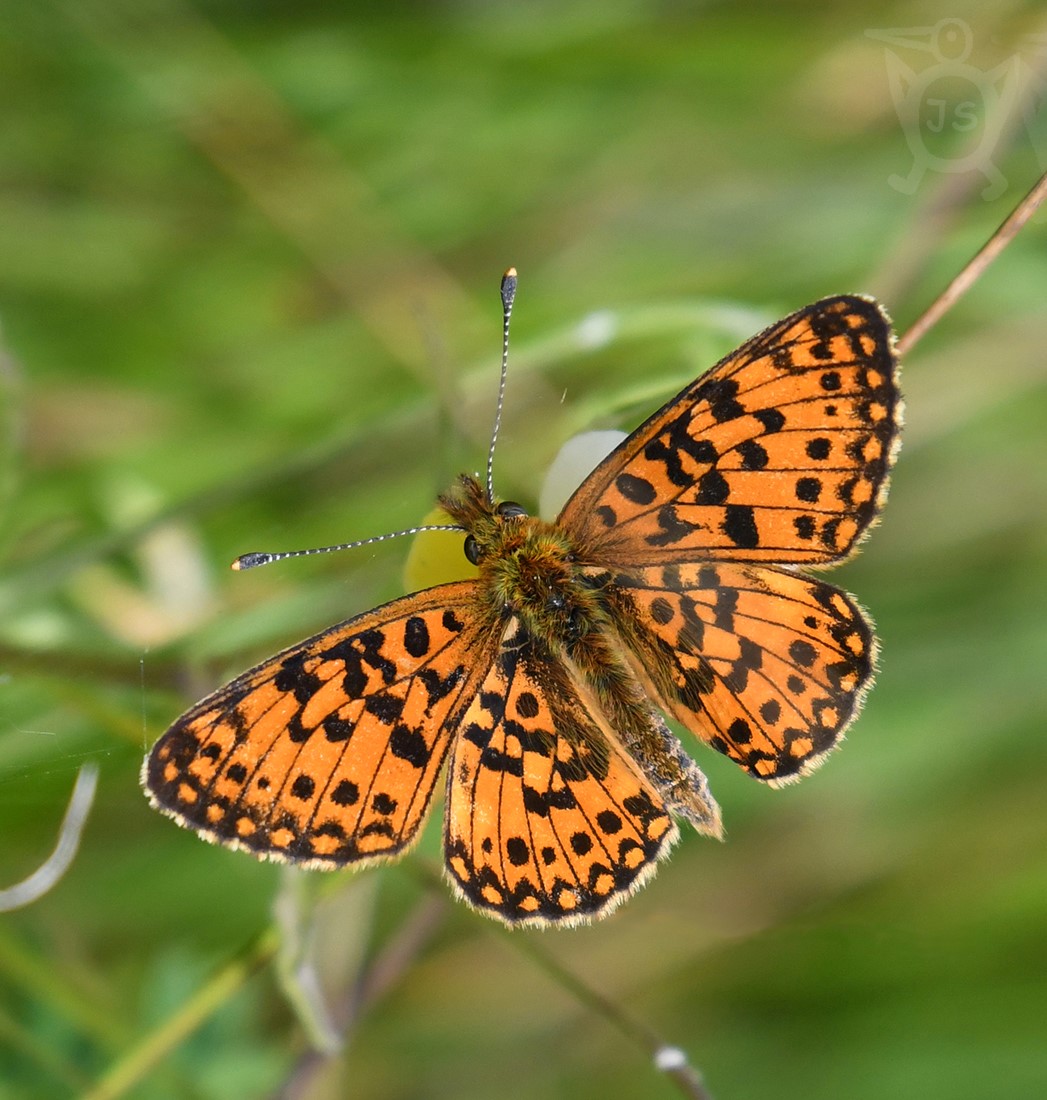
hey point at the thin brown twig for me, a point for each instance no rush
(396, 957)
(667, 1058)
(976, 266)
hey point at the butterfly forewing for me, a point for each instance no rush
(779, 454)
(547, 819)
(327, 754)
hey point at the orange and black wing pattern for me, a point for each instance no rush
(765, 665)
(779, 454)
(327, 754)
(548, 819)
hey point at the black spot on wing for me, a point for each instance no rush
(713, 488)
(385, 707)
(739, 525)
(293, 678)
(346, 793)
(772, 420)
(303, 787)
(637, 490)
(408, 744)
(416, 636)
(722, 395)
(671, 528)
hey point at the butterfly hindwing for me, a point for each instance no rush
(547, 819)
(779, 454)
(327, 754)
(763, 664)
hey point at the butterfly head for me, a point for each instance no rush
(476, 549)
(487, 523)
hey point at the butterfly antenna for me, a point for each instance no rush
(508, 291)
(257, 558)
(254, 559)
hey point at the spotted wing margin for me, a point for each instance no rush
(548, 821)
(765, 665)
(780, 453)
(327, 754)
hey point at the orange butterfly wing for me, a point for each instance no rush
(327, 754)
(778, 454)
(765, 665)
(547, 818)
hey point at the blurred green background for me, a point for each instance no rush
(249, 259)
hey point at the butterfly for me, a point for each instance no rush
(669, 585)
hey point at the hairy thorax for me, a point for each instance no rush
(528, 568)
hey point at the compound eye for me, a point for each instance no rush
(472, 550)
(509, 508)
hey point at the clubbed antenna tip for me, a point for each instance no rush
(508, 289)
(249, 561)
